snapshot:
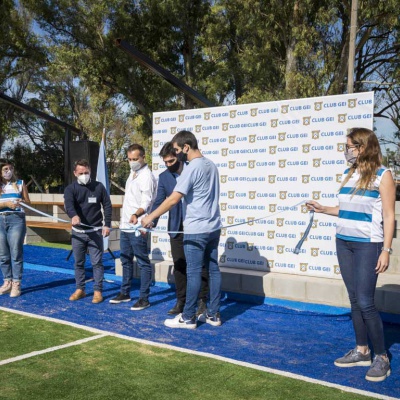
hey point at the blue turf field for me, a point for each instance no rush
(294, 337)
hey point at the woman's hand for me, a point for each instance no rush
(315, 206)
(383, 262)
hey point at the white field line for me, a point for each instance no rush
(50, 349)
(208, 355)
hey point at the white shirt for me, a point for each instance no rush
(140, 192)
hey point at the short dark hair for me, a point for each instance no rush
(185, 137)
(136, 146)
(168, 150)
(82, 163)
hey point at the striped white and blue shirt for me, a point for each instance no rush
(11, 191)
(360, 212)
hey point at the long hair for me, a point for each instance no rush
(369, 159)
(13, 179)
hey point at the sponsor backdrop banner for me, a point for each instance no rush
(272, 157)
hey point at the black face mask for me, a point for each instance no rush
(182, 157)
(174, 167)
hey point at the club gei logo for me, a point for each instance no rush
(303, 267)
(223, 206)
(181, 117)
(169, 254)
(230, 220)
(272, 149)
(340, 147)
(271, 178)
(157, 120)
(230, 244)
(231, 194)
(155, 166)
(314, 224)
(232, 164)
(274, 123)
(232, 114)
(306, 148)
(173, 130)
(282, 195)
(207, 115)
(316, 195)
(304, 209)
(250, 246)
(270, 263)
(252, 138)
(155, 239)
(224, 152)
(272, 208)
(251, 163)
(224, 178)
(198, 128)
(314, 251)
(281, 136)
(315, 135)
(253, 112)
(305, 179)
(339, 178)
(280, 249)
(222, 259)
(351, 103)
(306, 120)
(225, 126)
(316, 162)
(204, 141)
(232, 139)
(301, 235)
(156, 143)
(318, 105)
(250, 221)
(223, 232)
(252, 195)
(285, 108)
(336, 269)
(271, 234)
(342, 118)
(280, 221)
(282, 163)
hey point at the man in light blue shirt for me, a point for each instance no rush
(198, 187)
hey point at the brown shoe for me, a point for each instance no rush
(97, 297)
(77, 295)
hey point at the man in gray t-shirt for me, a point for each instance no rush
(198, 187)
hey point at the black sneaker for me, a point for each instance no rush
(121, 298)
(141, 304)
(201, 308)
(379, 371)
(214, 320)
(176, 309)
(354, 359)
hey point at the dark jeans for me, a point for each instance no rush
(178, 257)
(92, 242)
(135, 246)
(357, 261)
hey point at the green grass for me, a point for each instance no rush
(112, 368)
(63, 245)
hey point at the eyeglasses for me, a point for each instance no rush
(356, 146)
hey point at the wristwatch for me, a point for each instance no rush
(388, 249)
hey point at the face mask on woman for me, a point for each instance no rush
(7, 175)
(350, 157)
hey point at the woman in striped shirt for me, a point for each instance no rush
(12, 229)
(364, 234)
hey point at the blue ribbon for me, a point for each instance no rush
(305, 234)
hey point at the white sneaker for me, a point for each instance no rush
(6, 287)
(16, 289)
(179, 322)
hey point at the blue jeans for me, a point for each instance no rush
(135, 246)
(202, 249)
(357, 261)
(92, 242)
(12, 235)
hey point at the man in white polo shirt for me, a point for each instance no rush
(140, 191)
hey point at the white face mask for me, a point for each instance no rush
(83, 179)
(135, 165)
(7, 175)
